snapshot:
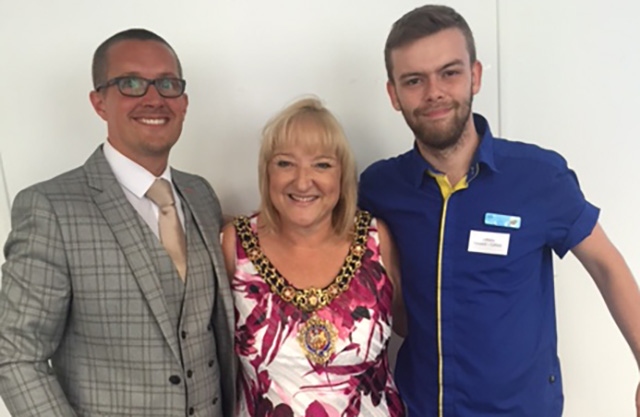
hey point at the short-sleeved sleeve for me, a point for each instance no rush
(571, 218)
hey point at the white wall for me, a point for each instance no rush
(245, 59)
(569, 81)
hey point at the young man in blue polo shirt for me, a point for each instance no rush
(476, 219)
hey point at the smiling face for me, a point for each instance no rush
(433, 86)
(304, 185)
(142, 128)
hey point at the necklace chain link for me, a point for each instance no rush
(309, 299)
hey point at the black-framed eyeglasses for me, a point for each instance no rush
(134, 86)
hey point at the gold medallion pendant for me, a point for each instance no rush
(317, 337)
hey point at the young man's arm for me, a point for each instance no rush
(617, 286)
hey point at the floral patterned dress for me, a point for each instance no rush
(314, 352)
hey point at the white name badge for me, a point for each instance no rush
(491, 243)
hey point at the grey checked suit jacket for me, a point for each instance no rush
(78, 278)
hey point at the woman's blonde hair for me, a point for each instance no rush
(308, 123)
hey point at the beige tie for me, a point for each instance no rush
(171, 233)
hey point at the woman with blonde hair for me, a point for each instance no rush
(314, 280)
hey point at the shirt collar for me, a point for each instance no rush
(484, 154)
(418, 166)
(129, 174)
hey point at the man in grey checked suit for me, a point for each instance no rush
(95, 319)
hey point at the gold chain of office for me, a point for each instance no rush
(309, 299)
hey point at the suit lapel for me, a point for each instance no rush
(207, 217)
(122, 218)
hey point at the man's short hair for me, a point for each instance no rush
(100, 64)
(425, 21)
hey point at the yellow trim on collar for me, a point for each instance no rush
(445, 186)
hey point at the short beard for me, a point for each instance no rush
(440, 139)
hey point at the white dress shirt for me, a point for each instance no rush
(135, 181)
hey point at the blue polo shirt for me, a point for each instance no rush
(477, 275)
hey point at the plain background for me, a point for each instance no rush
(559, 73)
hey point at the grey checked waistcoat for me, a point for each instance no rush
(190, 306)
